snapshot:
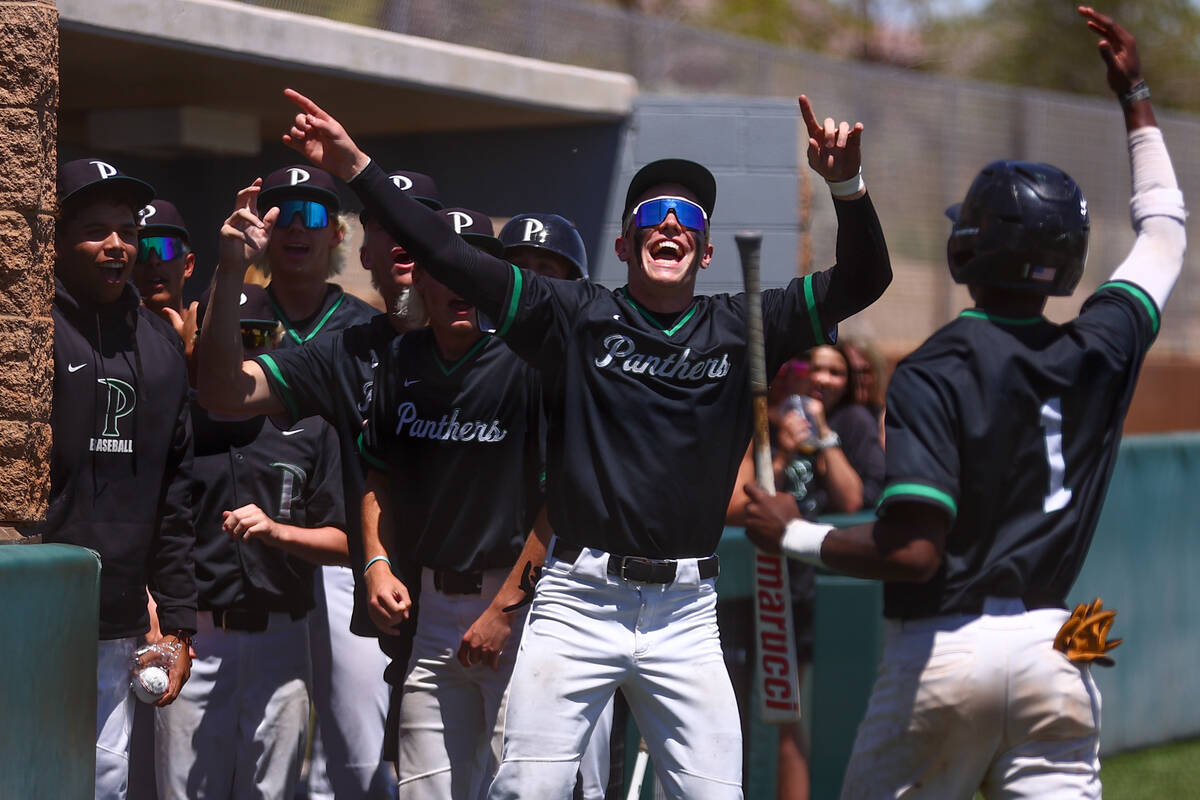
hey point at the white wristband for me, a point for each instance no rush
(802, 540)
(848, 187)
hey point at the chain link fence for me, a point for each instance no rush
(926, 136)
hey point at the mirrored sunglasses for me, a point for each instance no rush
(649, 213)
(256, 337)
(165, 247)
(313, 215)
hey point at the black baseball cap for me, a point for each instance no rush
(254, 306)
(298, 181)
(417, 185)
(476, 227)
(161, 218)
(85, 176)
(673, 170)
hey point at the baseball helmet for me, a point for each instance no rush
(1021, 226)
(549, 232)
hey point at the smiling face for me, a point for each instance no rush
(828, 375)
(96, 245)
(667, 257)
(160, 283)
(297, 253)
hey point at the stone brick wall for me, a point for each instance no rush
(28, 130)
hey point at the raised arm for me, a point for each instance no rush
(225, 381)
(478, 277)
(863, 269)
(1156, 207)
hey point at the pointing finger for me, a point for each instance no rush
(308, 105)
(810, 119)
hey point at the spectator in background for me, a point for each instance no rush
(120, 463)
(268, 506)
(826, 454)
(869, 369)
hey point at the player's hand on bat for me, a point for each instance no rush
(244, 234)
(484, 641)
(322, 140)
(834, 149)
(388, 602)
(767, 517)
(250, 522)
(1118, 48)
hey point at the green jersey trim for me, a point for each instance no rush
(974, 313)
(922, 491)
(811, 302)
(1138, 294)
(370, 459)
(679, 323)
(284, 391)
(514, 299)
(449, 370)
(287, 324)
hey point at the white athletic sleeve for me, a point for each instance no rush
(1158, 214)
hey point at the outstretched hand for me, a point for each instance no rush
(834, 149)
(322, 140)
(244, 235)
(1117, 47)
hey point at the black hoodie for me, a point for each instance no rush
(120, 465)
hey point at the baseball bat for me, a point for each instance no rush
(639, 771)
(777, 668)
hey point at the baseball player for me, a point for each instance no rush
(1002, 432)
(649, 414)
(349, 692)
(120, 463)
(164, 261)
(269, 506)
(451, 401)
(547, 244)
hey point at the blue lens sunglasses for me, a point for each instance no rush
(313, 215)
(649, 213)
(167, 247)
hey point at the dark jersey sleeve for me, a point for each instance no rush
(807, 311)
(301, 377)
(922, 441)
(326, 504)
(172, 573)
(480, 278)
(1120, 321)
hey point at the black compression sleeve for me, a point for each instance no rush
(863, 269)
(480, 278)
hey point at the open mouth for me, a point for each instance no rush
(401, 260)
(666, 251)
(112, 272)
(296, 249)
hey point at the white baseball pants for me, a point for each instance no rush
(114, 716)
(984, 703)
(350, 697)
(588, 634)
(239, 727)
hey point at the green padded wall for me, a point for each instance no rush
(49, 595)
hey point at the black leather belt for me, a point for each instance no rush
(448, 582)
(642, 570)
(243, 620)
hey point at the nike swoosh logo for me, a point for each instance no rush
(410, 381)
(76, 367)
(293, 433)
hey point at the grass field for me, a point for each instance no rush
(1170, 771)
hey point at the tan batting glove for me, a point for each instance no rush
(1084, 637)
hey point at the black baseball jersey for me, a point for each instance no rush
(1012, 426)
(293, 475)
(648, 418)
(460, 443)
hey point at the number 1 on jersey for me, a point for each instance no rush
(1059, 495)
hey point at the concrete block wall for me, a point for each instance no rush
(28, 131)
(750, 145)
